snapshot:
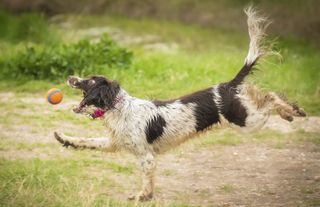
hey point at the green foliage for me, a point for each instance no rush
(25, 27)
(60, 60)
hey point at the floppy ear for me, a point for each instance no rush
(107, 94)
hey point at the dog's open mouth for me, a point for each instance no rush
(92, 112)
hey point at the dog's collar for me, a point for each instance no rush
(100, 112)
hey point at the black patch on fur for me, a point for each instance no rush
(231, 107)
(155, 128)
(206, 111)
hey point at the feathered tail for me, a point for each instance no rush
(257, 26)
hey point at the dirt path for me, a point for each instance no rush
(244, 175)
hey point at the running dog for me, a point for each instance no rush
(146, 128)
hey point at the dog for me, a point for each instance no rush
(147, 128)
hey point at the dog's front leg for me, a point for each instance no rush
(148, 166)
(104, 144)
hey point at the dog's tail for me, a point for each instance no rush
(256, 27)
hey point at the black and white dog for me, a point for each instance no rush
(146, 128)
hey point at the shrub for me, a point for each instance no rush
(60, 60)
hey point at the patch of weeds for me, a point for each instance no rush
(168, 172)
(307, 137)
(180, 205)
(157, 190)
(312, 203)
(308, 190)
(227, 188)
(268, 192)
(266, 135)
(223, 137)
(205, 193)
(279, 145)
(11, 144)
(128, 170)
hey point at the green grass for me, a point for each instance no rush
(62, 182)
(229, 137)
(53, 183)
(227, 188)
(169, 172)
(9, 144)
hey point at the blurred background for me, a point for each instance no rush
(157, 50)
(293, 18)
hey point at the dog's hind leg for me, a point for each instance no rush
(90, 143)
(260, 104)
(284, 108)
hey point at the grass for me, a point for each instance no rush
(227, 188)
(229, 137)
(120, 169)
(9, 144)
(169, 172)
(54, 183)
(62, 182)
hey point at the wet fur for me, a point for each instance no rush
(147, 128)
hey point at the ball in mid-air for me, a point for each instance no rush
(54, 96)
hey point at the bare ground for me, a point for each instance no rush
(249, 175)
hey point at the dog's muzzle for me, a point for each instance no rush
(73, 81)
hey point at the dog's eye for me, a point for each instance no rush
(91, 82)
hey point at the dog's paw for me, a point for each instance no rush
(297, 111)
(142, 196)
(59, 138)
(300, 112)
(286, 116)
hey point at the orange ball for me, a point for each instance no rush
(54, 96)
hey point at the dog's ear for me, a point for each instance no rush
(107, 94)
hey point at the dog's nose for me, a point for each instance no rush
(73, 80)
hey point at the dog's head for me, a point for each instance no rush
(97, 91)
